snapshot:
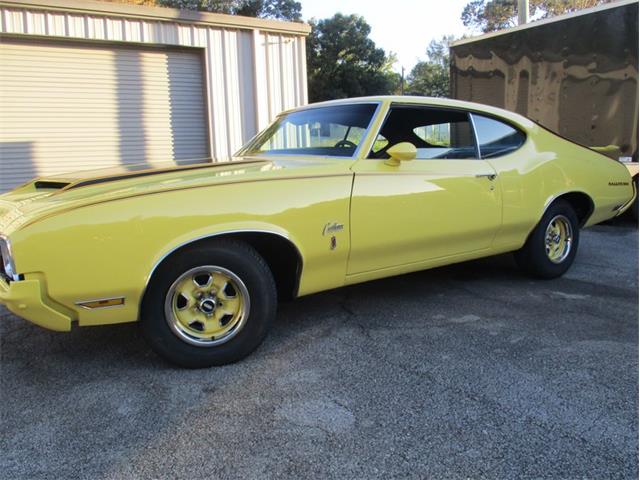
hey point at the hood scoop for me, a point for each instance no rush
(49, 185)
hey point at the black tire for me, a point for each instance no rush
(236, 257)
(634, 205)
(533, 258)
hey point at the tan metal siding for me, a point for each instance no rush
(68, 106)
(246, 68)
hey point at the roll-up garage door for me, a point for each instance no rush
(68, 106)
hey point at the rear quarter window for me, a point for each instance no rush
(496, 138)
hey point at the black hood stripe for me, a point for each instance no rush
(146, 173)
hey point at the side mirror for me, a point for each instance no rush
(401, 152)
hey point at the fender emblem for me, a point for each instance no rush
(332, 227)
(618, 184)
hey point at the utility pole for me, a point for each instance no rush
(402, 82)
(523, 12)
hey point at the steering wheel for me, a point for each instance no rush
(345, 144)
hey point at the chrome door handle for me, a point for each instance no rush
(490, 176)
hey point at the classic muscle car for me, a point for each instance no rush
(328, 195)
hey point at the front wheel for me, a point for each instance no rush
(553, 244)
(209, 305)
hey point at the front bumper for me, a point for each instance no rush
(27, 299)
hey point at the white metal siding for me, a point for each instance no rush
(251, 74)
(67, 106)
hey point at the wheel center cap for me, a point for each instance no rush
(207, 306)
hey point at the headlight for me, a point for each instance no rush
(8, 267)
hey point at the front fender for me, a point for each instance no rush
(110, 249)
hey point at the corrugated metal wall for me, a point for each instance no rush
(251, 74)
(67, 106)
(574, 83)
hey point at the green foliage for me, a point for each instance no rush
(277, 9)
(492, 15)
(431, 77)
(489, 15)
(342, 61)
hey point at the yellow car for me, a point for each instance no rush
(330, 194)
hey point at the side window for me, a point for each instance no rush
(436, 133)
(496, 138)
(379, 144)
(446, 140)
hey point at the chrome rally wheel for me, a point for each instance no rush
(207, 306)
(552, 245)
(558, 239)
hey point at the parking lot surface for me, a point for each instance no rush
(466, 371)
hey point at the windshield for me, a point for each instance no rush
(328, 131)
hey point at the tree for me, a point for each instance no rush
(492, 15)
(431, 76)
(278, 9)
(342, 61)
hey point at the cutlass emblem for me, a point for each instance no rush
(332, 227)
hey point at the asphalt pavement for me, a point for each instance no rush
(468, 371)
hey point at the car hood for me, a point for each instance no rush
(46, 195)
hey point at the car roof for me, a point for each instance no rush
(520, 120)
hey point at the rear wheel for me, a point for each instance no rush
(553, 244)
(209, 305)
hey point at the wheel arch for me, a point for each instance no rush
(281, 254)
(581, 203)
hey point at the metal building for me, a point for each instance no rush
(576, 74)
(88, 84)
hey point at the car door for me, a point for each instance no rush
(444, 204)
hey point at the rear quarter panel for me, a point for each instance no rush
(546, 167)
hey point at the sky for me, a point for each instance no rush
(404, 27)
